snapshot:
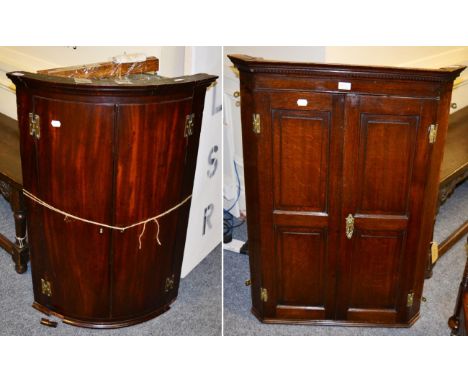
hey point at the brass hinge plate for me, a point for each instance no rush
(410, 300)
(263, 294)
(169, 284)
(434, 252)
(46, 288)
(189, 122)
(34, 125)
(433, 132)
(349, 226)
(256, 123)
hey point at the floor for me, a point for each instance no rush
(196, 312)
(440, 291)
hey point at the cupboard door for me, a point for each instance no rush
(386, 162)
(74, 174)
(304, 144)
(151, 151)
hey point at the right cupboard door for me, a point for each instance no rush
(385, 165)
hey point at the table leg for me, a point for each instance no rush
(20, 248)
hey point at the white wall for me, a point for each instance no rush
(408, 56)
(286, 53)
(173, 61)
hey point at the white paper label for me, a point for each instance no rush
(55, 123)
(302, 102)
(344, 85)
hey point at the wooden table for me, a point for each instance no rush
(11, 189)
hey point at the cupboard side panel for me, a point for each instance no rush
(258, 198)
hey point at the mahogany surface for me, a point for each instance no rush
(323, 153)
(120, 156)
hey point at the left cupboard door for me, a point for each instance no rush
(73, 172)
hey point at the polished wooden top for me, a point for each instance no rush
(145, 84)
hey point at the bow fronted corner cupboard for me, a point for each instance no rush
(114, 144)
(341, 169)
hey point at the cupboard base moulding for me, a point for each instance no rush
(115, 324)
(333, 322)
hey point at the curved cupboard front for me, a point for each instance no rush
(115, 153)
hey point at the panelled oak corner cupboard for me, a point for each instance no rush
(341, 173)
(112, 144)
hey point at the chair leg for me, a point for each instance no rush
(20, 249)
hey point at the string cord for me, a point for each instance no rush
(118, 228)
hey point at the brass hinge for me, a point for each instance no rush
(434, 252)
(46, 288)
(409, 300)
(248, 282)
(169, 284)
(433, 132)
(256, 123)
(263, 294)
(189, 121)
(349, 226)
(34, 125)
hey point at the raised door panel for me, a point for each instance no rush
(301, 160)
(74, 172)
(306, 159)
(151, 151)
(375, 271)
(385, 166)
(301, 270)
(387, 147)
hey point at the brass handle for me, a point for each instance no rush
(349, 226)
(236, 94)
